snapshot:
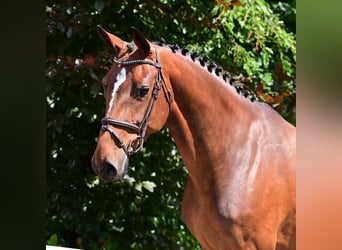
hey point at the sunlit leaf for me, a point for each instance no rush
(149, 185)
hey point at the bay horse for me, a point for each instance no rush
(239, 153)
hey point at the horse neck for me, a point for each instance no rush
(205, 113)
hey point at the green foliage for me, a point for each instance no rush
(53, 240)
(252, 40)
(255, 39)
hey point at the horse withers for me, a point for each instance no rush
(240, 153)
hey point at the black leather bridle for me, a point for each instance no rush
(136, 144)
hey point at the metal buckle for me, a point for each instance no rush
(135, 145)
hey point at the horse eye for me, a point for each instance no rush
(143, 91)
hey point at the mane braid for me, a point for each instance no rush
(211, 67)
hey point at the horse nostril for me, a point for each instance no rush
(109, 170)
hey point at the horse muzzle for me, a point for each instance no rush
(109, 171)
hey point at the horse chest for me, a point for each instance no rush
(205, 222)
(213, 228)
(199, 221)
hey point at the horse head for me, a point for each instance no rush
(133, 110)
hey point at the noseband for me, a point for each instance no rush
(136, 144)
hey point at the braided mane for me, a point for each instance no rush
(212, 67)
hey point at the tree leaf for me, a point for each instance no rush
(149, 185)
(52, 241)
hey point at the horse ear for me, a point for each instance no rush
(112, 42)
(140, 40)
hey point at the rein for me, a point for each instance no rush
(136, 144)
